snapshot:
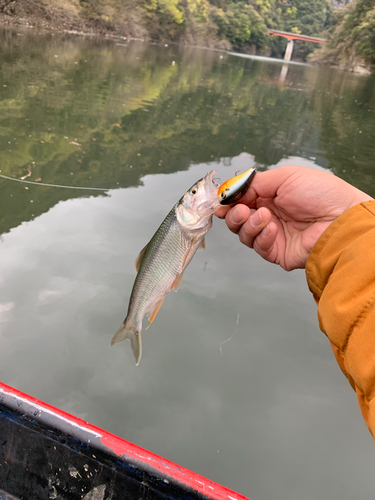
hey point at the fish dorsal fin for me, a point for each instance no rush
(177, 282)
(154, 309)
(138, 260)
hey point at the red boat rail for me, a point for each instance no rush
(27, 426)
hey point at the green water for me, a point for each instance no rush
(236, 380)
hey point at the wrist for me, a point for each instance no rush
(359, 197)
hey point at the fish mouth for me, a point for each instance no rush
(210, 184)
(233, 189)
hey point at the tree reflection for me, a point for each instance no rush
(95, 113)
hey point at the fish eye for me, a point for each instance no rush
(223, 195)
(193, 190)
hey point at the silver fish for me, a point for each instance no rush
(162, 262)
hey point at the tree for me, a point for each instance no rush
(351, 37)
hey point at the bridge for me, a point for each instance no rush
(294, 36)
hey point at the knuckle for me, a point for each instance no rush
(245, 239)
(234, 229)
(242, 240)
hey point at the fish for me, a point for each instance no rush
(161, 263)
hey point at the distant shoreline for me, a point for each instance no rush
(32, 23)
(61, 22)
(111, 36)
(85, 27)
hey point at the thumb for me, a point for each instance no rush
(266, 184)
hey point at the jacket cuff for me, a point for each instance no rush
(348, 227)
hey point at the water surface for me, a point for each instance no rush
(236, 381)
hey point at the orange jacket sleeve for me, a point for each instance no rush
(341, 275)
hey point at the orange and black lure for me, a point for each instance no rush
(233, 189)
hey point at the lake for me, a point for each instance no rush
(236, 380)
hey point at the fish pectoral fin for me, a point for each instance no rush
(139, 259)
(203, 243)
(135, 341)
(195, 243)
(187, 256)
(177, 282)
(154, 310)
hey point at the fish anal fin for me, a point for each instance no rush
(203, 243)
(177, 282)
(154, 310)
(139, 259)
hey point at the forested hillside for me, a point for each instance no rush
(237, 24)
(351, 39)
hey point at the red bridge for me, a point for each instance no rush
(294, 36)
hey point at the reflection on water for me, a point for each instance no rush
(267, 413)
(283, 73)
(89, 113)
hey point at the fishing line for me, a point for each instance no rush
(54, 185)
(230, 338)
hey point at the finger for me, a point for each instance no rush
(266, 184)
(265, 243)
(222, 212)
(236, 217)
(253, 226)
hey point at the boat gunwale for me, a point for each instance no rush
(92, 440)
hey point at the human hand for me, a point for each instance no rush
(286, 209)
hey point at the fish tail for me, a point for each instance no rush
(134, 335)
